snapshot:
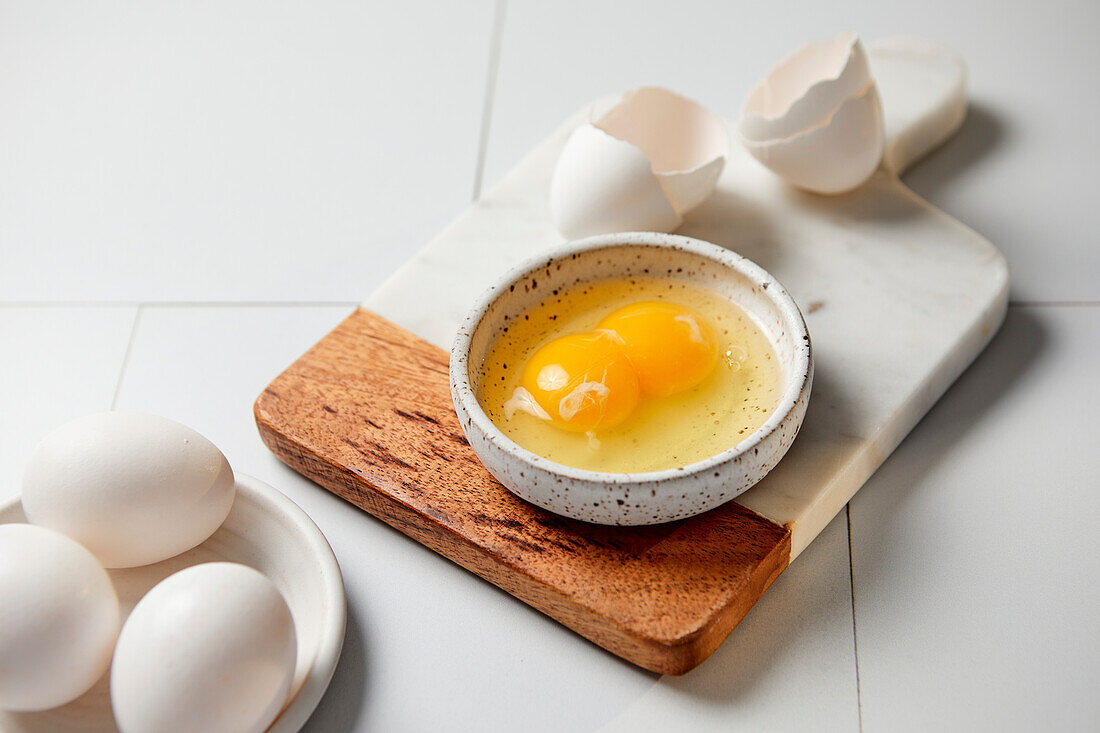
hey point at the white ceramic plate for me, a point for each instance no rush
(266, 531)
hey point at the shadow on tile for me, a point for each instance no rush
(981, 132)
(345, 700)
(790, 664)
(1014, 351)
(810, 599)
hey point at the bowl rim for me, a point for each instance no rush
(801, 370)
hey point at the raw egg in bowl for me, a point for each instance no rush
(632, 378)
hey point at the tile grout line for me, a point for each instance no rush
(1053, 303)
(179, 304)
(852, 589)
(250, 304)
(495, 42)
(126, 355)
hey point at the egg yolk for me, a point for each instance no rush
(592, 381)
(583, 382)
(672, 348)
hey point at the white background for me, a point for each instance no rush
(193, 193)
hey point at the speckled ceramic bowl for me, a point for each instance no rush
(634, 498)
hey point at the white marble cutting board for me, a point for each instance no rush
(899, 297)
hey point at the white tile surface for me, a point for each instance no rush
(432, 647)
(55, 364)
(975, 551)
(236, 150)
(1029, 63)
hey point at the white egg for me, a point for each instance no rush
(133, 488)
(58, 619)
(211, 648)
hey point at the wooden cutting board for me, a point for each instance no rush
(899, 299)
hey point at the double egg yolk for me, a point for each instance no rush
(593, 381)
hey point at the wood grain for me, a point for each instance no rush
(367, 414)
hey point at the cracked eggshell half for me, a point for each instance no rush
(816, 119)
(641, 166)
(835, 157)
(806, 88)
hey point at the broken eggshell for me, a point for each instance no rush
(641, 166)
(816, 119)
